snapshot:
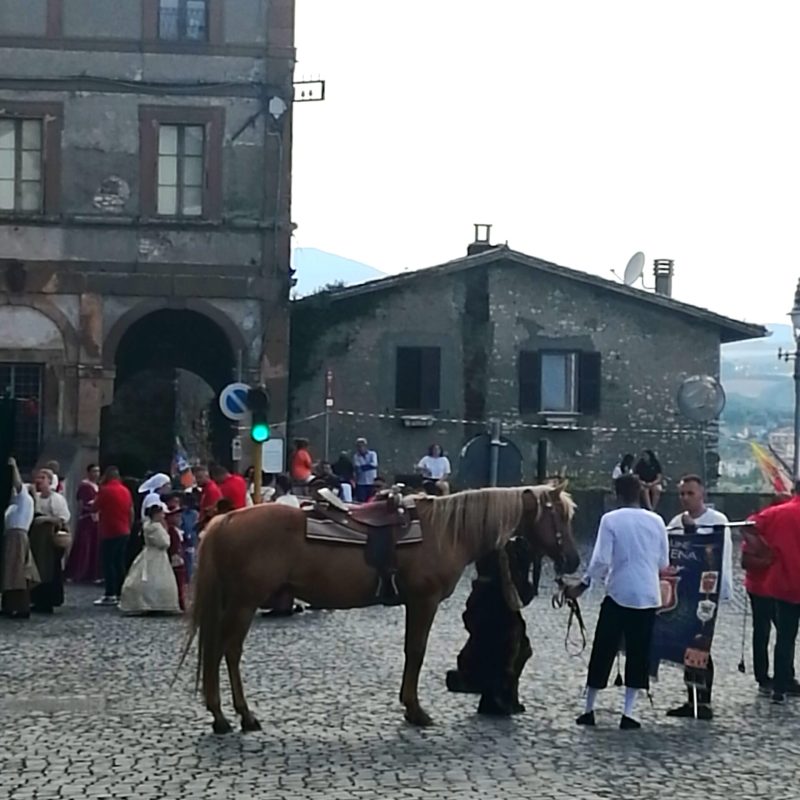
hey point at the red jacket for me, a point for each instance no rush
(779, 526)
(114, 507)
(234, 489)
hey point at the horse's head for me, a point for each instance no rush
(547, 524)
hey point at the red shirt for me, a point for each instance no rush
(210, 496)
(780, 528)
(301, 465)
(114, 507)
(234, 488)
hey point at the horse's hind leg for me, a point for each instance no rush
(211, 662)
(237, 625)
(419, 618)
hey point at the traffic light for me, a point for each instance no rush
(258, 403)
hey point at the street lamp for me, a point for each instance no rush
(794, 314)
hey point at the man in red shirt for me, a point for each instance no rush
(209, 497)
(114, 508)
(232, 486)
(779, 527)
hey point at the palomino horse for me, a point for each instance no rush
(248, 556)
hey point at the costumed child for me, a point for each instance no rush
(177, 556)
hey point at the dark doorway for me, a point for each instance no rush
(474, 468)
(171, 366)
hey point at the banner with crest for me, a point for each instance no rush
(684, 626)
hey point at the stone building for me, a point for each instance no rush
(588, 365)
(145, 187)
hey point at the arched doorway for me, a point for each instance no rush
(170, 367)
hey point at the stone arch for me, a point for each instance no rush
(70, 343)
(141, 310)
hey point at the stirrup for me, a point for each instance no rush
(391, 597)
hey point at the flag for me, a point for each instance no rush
(772, 470)
(180, 464)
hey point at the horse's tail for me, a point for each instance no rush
(207, 606)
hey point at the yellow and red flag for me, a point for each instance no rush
(772, 470)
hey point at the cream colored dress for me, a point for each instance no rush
(150, 584)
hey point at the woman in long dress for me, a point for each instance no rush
(150, 585)
(83, 565)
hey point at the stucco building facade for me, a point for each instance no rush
(145, 194)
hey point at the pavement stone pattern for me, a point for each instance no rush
(87, 711)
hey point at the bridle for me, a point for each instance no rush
(560, 599)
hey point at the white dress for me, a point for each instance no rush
(150, 584)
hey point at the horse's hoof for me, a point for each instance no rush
(418, 718)
(250, 725)
(221, 727)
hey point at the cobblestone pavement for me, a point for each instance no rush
(86, 710)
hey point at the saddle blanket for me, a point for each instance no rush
(323, 530)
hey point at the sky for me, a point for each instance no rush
(583, 131)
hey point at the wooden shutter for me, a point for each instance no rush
(530, 381)
(407, 378)
(430, 378)
(589, 380)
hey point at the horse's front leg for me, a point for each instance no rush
(419, 618)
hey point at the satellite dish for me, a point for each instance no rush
(701, 398)
(634, 269)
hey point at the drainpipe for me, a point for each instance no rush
(494, 454)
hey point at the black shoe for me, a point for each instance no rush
(765, 688)
(629, 724)
(586, 719)
(778, 698)
(686, 711)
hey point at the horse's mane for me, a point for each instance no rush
(483, 515)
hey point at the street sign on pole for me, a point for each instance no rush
(274, 456)
(233, 401)
(236, 449)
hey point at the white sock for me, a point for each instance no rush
(591, 696)
(630, 701)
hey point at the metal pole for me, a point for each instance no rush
(327, 434)
(494, 455)
(258, 450)
(796, 461)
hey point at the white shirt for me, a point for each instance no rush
(712, 517)
(631, 549)
(437, 467)
(19, 514)
(288, 500)
(54, 505)
(366, 477)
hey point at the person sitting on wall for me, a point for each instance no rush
(492, 660)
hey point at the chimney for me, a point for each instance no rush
(664, 269)
(482, 243)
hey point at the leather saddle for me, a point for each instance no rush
(329, 519)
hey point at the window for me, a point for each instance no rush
(183, 20)
(417, 378)
(559, 381)
(181, 162)
(21, 180)
(23, 383)
(180, 170)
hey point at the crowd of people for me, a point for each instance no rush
(139, 539)
(630, 558)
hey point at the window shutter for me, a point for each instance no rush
(589, 380)
(406, 393)
(530, 381)
(430, 378)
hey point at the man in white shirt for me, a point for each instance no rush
(19, 573)
(697, 517)
(365, 463)
(632, 548)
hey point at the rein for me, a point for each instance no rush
(558, 601)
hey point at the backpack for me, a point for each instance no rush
(757, 555)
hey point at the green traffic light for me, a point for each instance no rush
(259, 433)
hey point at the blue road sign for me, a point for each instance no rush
(233, 401)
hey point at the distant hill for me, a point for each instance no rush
(316, 269)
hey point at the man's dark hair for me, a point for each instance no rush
(217, 470)
(111, 474)
(693, 479)
(283, 483)
(628, 488)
